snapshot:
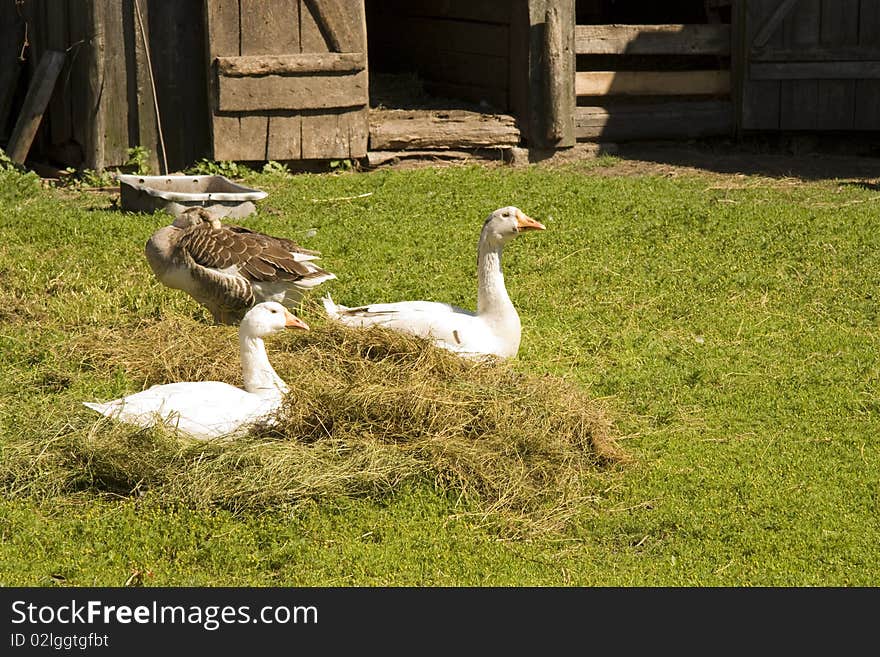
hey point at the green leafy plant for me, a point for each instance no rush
(15, 182)
(273, 168)
(225, 168)
(139, 159)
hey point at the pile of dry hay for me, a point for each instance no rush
(368, 411)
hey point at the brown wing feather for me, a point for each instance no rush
(258, 256)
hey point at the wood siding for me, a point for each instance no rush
(102, 104)
(680, 97)
(288, 79)
(812, 65)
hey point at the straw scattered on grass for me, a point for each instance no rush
(368, 411)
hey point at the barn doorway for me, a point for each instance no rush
(441, 77)
(653, 70)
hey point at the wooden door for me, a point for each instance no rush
(288, 79)
(812, 65)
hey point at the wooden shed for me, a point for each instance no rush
(317, 80)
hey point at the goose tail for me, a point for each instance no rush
(330, 307)
(103, 409)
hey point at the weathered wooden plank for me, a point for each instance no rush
(378, 158)
(738, 57)
(559, 77)
(819, 54)
(11, 39)
(325, 137)
(648, 83)
(869, 23)
(686, 39)
(230, 139)
(867, 104)
(341, 132)
(655, 121)
(113, 27)
(773, 23)
(77, 81)
(177, 46)
(421, 129)
(269, 27)
(799, 98)
(518, 65)
(35, 102)
(358, 132)
(333, 18)
(321, 134)
(760, 99)
(149, 131)
(284, 139)
(283, 92)
(839, 27)
(278, 36)
(59, 110)
(293, 64)
(815, 70)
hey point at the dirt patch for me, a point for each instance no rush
(801, 158)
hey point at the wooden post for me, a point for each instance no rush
(35, 102)
(558, 79)
(551, 72)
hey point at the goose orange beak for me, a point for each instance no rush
(292, 321)
(525, 222)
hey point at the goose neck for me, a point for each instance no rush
(259, 376)
(492, 297)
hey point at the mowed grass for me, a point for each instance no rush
(730, 329)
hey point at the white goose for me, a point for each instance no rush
(211, 409)
(228, 269)
(494, 330)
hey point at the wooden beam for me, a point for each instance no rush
(35, 102)
(285, 92)
(775, 20)
(815, 71)
(652, 83)
(657, 120)
(833, 54)
(393, 130)
(256, 65)
(559, 66)
(334, 20)
(683, 39)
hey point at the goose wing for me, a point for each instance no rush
(253, 255)
(449, 326)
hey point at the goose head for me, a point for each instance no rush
(267, 318)
(193, 217)
(506, 223)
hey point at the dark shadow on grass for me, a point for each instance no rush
(807, 156)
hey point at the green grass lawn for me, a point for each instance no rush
(731, 329)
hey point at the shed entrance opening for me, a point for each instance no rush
(440, 75)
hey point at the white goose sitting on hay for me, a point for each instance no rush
(494, 330)
(228, 269)
(212, 409)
